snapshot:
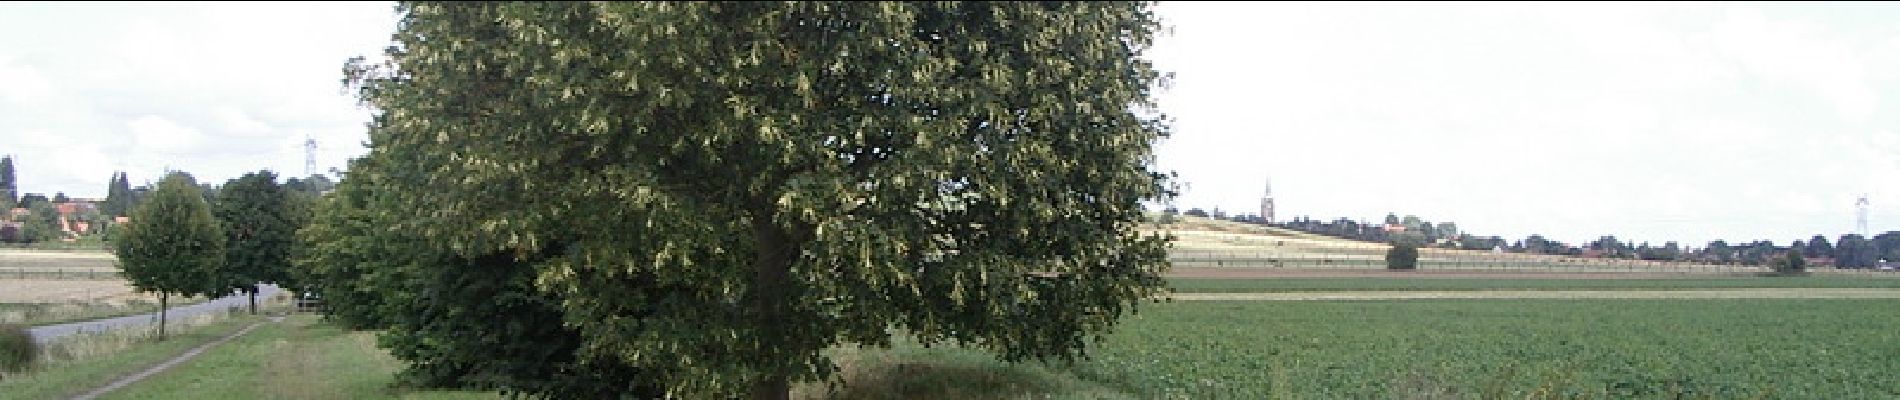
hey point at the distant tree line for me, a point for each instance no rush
(42, 220)
(1846, 251)
(187, 238)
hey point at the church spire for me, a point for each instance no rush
(1266, 204)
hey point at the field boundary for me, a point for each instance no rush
(1748, 293)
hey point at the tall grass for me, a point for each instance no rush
(37, 314)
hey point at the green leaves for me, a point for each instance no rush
(172, 244)
(736, 186)
(259, 227)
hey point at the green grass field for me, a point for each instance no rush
(1191, 285)
(1648, 349)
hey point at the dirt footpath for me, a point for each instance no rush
(1778, 293)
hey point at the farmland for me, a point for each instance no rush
(1367, 348)
(1479, 349)
(1590, 345)
(39, 287)
(1192, 285)
(1205, 243)
(46, 264)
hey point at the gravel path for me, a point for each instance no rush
(1773, 293)
(45, 334)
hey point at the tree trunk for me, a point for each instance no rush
(253, 293)
(772, 267)
(162, 308)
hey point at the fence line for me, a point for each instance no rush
(58, 273)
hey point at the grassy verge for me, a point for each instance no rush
(74, 365)
(299, 358)
(1196, 285)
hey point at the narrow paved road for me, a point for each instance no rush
(45, 334)
(1766, 293)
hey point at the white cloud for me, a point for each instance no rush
(157, 134)
(1798, 52)
(1659, 122)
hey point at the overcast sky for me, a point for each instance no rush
(1653, 122)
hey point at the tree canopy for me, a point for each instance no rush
(172, 245)
(259, 228)
(715, 192)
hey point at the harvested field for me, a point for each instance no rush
(1252, 272)
(38, 264)
(1751, 293)
(68, 291)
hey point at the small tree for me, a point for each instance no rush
(1791, 263)
(1402, 256)
(172, 245)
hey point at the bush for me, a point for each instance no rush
(17, 349)
(1792, 263)
(1402, 256)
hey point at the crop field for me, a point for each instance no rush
(1192, 285)
(1720, 349)
(1201, 243)
(51, 301)
(41, 264)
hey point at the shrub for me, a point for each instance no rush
(1792, 263)
(17, 349)
(1402, 256)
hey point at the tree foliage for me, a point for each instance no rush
(119, 194)
(172, 245)
(1402, 256)
(733, 187)
(259, 227)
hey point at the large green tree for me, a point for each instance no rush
(172, 245)
(475, 322)
(734, 187)
(259, 227)
(1855, 251)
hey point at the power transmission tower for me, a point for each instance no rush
(1860, 216)
(309, 156)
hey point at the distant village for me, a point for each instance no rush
(34, 218)
(1851, 250)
